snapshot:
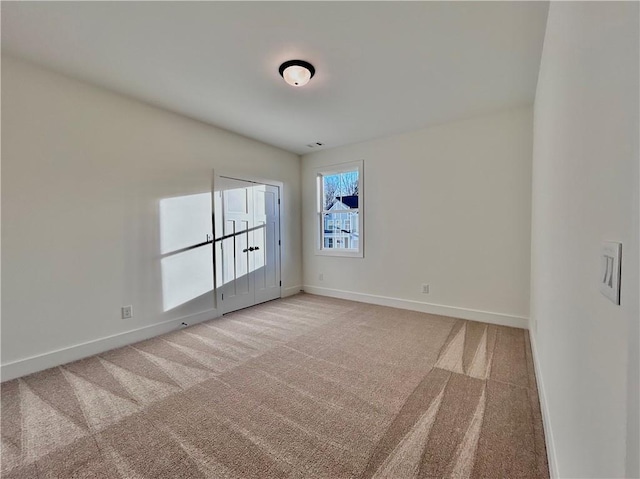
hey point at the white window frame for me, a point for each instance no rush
(320, 212)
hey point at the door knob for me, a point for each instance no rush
(251, 248)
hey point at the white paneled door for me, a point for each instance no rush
(248, 235)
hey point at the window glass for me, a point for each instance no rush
(340, 210)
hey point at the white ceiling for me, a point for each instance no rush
(381, 67)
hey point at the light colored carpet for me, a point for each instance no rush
(301, 387)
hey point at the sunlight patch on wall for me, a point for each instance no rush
(185, 222)
(185, 276)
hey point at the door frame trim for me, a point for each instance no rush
(234, 175)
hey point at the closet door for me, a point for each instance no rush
(249, 237)
(237, 235)
(266, 241)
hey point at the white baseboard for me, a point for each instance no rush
(546, 420)
(442, 310)
(33, 364)
(290, 291)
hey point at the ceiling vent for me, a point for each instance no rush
(315, 145)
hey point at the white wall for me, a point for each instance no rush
(585, 191)
(83, 173)
(448, 206)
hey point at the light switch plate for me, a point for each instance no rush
(610, 270)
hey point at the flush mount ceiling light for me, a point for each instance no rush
(297, 72)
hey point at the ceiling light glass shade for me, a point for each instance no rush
(296, 76)
(297, 72)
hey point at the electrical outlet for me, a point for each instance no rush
(425, 288)
(321, 277)
(127, 312)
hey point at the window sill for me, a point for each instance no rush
(344, 253)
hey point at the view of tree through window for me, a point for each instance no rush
(339, 185)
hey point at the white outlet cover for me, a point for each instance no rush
(609, 278)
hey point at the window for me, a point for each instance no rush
(340, 210)
(329, 223)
